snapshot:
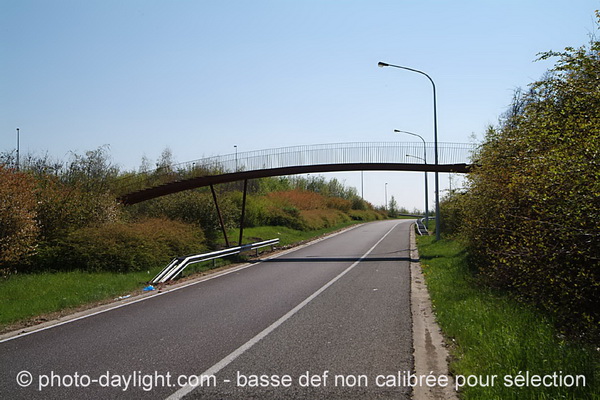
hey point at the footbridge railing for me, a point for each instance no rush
(298, 159)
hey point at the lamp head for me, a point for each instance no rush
(382, 64)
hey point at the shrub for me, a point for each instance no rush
(319, 219)
(287, 216)
(533, 204)
(193, 207)
(257, 209)
(63, 207)
(365, 215)
(121, 247)
(300, 199)
(451, 210)
(339, 204)
(359, 204)
(18, 228)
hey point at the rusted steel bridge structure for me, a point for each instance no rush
(382, 156)
(335, 157)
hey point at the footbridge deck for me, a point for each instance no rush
(381, 156)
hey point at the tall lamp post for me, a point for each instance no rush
(424, 162)
(437, 180)
(18, 139)
(386, 203)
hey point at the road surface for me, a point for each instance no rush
(328, 320)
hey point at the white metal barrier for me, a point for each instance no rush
(421, 228)
(177, 265)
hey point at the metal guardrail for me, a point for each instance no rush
(177, 265)
(421, 228)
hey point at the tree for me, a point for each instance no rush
(393, 211)
(165, 162)
(92, 172)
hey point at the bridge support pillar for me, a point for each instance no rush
(212, 189)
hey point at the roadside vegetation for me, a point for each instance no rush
(490, 333)
(66, 241)
(529, 216)
(62, 216)
(515, 281)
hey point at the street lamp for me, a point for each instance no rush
(362, 185)
(437, 180)
(386, 203)
(18, 139)
(424, 162)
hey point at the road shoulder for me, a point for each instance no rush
(430, 351)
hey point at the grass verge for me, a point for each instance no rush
(491, 334)
(26, 297)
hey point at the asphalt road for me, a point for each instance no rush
(329, 320)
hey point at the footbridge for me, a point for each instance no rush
(381, 156)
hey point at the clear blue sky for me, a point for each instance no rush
(202, 76)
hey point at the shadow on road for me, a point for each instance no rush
(337, 259)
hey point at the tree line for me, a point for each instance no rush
(62, 215)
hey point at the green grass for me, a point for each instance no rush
(495, 335)
(25, 296)
(29, 295)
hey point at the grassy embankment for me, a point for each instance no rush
(492, 334)
(27, 296)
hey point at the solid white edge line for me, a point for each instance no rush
(261, 335)
(183, 286)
